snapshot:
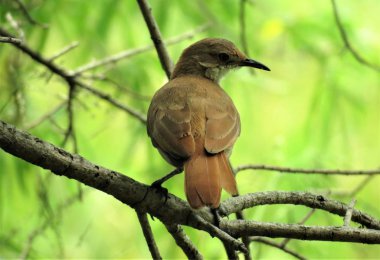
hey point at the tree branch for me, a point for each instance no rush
(147, 231)
(306, 171)
(343, 234)
(235, 204)
(28, 16)
(7, 39)
(131, 52)
(65, 50)
(176, 211)
(347, 42)
(134, 113)
(183, 241)
(169, 209)
(348, 216)
(155, 35)
(70, 79)
(46, 116)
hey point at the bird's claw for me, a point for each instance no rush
(159, 189)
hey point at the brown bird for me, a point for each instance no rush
(194, 123)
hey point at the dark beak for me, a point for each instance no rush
(254, 64)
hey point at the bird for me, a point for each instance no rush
(194, 123)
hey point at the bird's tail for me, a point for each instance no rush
(205, 176)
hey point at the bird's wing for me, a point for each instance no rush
(222, 125)
(168, 124)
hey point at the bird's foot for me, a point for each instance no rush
(215, 213)
(159, 189)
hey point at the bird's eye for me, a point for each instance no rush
(224, 57)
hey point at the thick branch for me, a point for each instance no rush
(306, 171)
(169, 209)
(235, 204)
(174, 210)
(343, 234)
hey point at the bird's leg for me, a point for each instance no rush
(158, 183)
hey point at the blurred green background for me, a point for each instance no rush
(317, 108)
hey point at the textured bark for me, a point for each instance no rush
(343, 234)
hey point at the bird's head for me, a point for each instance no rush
(212, 58)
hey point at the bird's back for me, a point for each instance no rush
(188, 109)
(194, 124)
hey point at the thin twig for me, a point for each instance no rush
(149, 238)
(10, 40)
(127, 90)
(132, 52)
(348, 216)
(243, 36)
(113, 102)
(183, 241)
(69, 78)
(307, 171)
(360, 186)
(28, 16)
(70, 131)
(155, 35)
(347, 43)
(353, 192)
(47, 222)
(46, 116)
(277, 245)
(15, 25)
(243, 32)
(65, 50)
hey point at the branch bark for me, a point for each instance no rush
(7, 39)
(169, 209)
(176, 211)
(343, 234)
(305, 171)
(235, 204)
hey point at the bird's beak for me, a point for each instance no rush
(254, 64)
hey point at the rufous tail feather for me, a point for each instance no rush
(205, 176)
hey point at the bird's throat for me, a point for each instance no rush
(216, 73)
